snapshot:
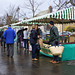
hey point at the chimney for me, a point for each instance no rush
(50, 9)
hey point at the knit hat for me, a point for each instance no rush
(52, 23)
(9, 25)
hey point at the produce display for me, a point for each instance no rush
(46, 51)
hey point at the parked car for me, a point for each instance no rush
(65, 34)
(45, 35)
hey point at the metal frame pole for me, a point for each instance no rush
(62, 30)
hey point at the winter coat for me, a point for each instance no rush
(1, 34)
(54, 34)
(9, 35)
(33, 37)
(39, 32)
(20, 36)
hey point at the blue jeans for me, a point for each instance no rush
(33, 50)
(26, 43)
(55, 58)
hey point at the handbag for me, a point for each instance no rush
(40, 41)
(22, 44)
(56, 50)
(38, 46)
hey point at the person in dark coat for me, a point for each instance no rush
(54, 39)
(19, 38)
(33, 41)
(9, 35)
(39, 33)
(1, 37)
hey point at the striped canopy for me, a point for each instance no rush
(59, 17)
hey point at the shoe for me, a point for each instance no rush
(51, 61)
(7, 55)
(55, 62)
(35, 59)
(11, 56)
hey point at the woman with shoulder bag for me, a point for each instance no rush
(33, 41)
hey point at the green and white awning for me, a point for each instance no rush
(65, 16)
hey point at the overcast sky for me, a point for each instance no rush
(4, 4)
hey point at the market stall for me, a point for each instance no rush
(59, 17)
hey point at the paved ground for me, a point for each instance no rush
(22, 64)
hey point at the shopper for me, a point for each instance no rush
(19, 38)
(1, 36)
(54, 39)
(39, 34)
(10, 35)
(25, 38)
(33, 41)
(39, 31)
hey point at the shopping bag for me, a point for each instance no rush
(40, 41)
(22, 44)
(30, 47)
(56, 50)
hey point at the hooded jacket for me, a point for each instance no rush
(9, 35)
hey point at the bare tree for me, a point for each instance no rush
(2, 20)
(23, 15)
(32, 5)
(12, 14)
(60, 4)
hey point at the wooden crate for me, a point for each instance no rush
(72, 38)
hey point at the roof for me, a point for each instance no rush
(42, 13)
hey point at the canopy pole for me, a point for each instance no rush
(62, 30)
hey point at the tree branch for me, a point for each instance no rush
(56, 4)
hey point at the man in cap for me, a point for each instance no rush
(54, 37)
